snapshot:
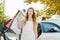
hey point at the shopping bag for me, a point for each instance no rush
(9, 23)
(14, 26)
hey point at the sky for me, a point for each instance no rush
(12, 6)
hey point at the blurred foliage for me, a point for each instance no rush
(54, 6)
(3, 18)
(39, 13)
(29, 1)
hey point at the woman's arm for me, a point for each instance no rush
(20, 23)
(35, 30)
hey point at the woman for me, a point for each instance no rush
(29, 26)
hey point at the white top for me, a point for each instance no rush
(28, 33)
(28, 26)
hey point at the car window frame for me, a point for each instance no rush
(51, 23)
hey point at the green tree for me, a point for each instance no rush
(3, 18)
(54, 5)
(39, 13)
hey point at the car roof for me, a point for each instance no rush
(55, 21)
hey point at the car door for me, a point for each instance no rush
(50, 31)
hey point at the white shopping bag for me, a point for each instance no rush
(14, 25)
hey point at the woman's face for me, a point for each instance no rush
(30, 12)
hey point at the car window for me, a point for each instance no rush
(50, 27)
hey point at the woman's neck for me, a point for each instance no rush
(29, 18)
